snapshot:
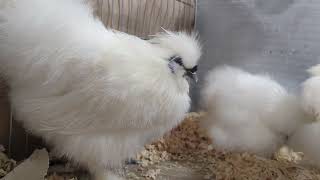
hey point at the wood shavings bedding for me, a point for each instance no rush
(186, 153)
(189, 147)
(6, 164)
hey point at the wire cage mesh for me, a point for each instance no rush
(137, 17)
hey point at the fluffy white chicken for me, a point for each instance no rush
(304, 138)
(96, 95)
(311, 89)
(247, 112)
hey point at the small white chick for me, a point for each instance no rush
(303, 139)
(311, 89)
(247, 112)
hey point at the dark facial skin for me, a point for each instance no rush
(190, 72)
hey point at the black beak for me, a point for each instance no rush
(192, 75)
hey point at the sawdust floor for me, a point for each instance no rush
(191, 170)
(169, 170)
(186, 153)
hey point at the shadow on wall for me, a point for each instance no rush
(4, 115)
(276, 37)
(273, 6)
(229, 32)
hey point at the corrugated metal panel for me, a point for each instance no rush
(145, 17)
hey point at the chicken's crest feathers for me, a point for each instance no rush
(182, 44)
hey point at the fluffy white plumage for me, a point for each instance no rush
(96, 95)
(304, 138)
(311, 89)
(248, 112)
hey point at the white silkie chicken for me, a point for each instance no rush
(304, 138)
(96, 95)
(247, 112)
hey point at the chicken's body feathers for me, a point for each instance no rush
(97, 95)
(248, 112)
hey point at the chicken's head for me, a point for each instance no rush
(184, 52)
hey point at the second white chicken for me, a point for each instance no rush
(248, 112)
(305, 138)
